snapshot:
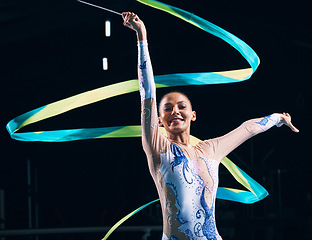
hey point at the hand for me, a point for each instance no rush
(133, 22)
(286, 119)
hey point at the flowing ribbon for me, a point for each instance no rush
(168, 80)
(255, 191)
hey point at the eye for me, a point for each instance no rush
(182, 106)
(167, 109)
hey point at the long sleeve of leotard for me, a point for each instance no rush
(145, 72)
(223, 145)
(152, 139)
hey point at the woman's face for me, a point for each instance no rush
(175, 113)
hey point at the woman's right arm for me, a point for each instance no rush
(149, 117)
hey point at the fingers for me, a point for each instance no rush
(286, 119)
(286, 114)
(125, 17)
(292, 127)
(129, 17)
(126, 14)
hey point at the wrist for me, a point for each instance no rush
(269, 121)
(277, 118)
(141, 35)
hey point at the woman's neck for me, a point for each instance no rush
(182, 138)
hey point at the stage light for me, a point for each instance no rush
(105, 63)
(107, 28)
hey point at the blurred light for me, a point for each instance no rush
(105, 64)
(107, 28)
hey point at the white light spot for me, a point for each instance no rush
(105, 63)
(107, 28)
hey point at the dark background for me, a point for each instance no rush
(51, 50)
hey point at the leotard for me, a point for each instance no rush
(186, 177)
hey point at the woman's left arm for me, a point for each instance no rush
(250, 128)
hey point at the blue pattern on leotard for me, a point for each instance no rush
(264, 120)
(173, 238)
(208, 228)
(179, 158)
(196, 218)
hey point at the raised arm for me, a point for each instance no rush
(151, 136)
(250, 128)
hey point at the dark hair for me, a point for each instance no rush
(173, 92)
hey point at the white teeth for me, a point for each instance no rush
(176, 120)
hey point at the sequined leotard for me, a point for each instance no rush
(186, 177)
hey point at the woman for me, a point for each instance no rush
(186, 177)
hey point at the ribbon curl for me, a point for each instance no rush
(255, 191)
(169, 80)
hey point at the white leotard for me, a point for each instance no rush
(186, 177)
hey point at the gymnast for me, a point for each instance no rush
(186, 177)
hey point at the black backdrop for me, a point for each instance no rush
(54, 49)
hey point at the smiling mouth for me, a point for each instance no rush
(176, 120)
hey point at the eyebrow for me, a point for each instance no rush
(177, 102)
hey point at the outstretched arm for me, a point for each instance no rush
(250, 128)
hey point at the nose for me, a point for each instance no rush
(175, 110)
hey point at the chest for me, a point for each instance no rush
(190, 166)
